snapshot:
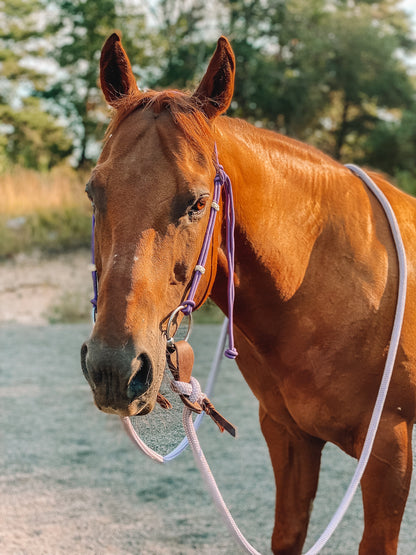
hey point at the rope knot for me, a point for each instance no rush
(220, 176)
(192, 390)
(231, 353)
(189, 306)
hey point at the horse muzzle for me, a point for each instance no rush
(121, 380)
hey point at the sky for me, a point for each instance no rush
(410, 6)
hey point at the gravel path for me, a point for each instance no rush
(72, 483)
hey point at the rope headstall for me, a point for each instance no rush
(222, 182)
(179, 355)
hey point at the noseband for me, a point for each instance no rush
(222, 182)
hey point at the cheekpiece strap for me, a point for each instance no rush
(222, 182)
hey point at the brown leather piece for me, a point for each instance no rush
(183, 359)
(180, 359)
(220, 421)
(163, 402)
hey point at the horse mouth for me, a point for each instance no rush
(144, 410)
(138, 408)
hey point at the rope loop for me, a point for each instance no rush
(188, 307)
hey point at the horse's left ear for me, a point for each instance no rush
(217, 86)
(116, 75)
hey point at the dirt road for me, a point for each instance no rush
(35, 288)
(71, 483)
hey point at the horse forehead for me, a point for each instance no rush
(148, 149)
(156, 133)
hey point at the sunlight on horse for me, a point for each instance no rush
(316, 285)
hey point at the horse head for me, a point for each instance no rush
(151, 191)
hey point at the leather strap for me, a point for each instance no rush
(180, 359)
(163, 402)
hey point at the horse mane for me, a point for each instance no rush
(184, 108)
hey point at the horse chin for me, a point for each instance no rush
(143, 405)
(138, 407)
(148, 407)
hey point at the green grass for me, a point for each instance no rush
(48, 231)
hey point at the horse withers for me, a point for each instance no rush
(316, 281)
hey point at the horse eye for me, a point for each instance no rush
(199, 205)
(88, 193)
(87, 190)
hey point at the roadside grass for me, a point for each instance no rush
(43, 211)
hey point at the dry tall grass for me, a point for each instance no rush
(24, 192)
(48, 212)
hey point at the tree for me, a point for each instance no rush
(325, 71)
(391, 147)
(32, 138)
(81, 28)
(179, 44)
(29, 136)
(364, 73)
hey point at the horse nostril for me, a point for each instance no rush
(92, 375)
(141, 380)
(84, 351)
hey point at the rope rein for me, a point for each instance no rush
(377, 411)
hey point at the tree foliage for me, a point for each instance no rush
(80, 29)
(29, 136)
(331, 72)
(321, 70)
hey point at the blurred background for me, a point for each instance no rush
(339, 74)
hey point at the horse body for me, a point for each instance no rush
(316, 284)
(315, 300)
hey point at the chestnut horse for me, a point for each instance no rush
(316, 282)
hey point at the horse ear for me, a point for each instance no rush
(217, 86)
(116, 76)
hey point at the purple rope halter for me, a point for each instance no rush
(221, 180)
(94, 300)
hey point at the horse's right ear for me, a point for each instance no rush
(216, 89)
(116, 76)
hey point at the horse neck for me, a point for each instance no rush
(280, 194)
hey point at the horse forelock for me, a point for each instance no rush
(184, 109)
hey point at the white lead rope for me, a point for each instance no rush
(192, 437)
(375, 418)
(212, 376)
(211, 484)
